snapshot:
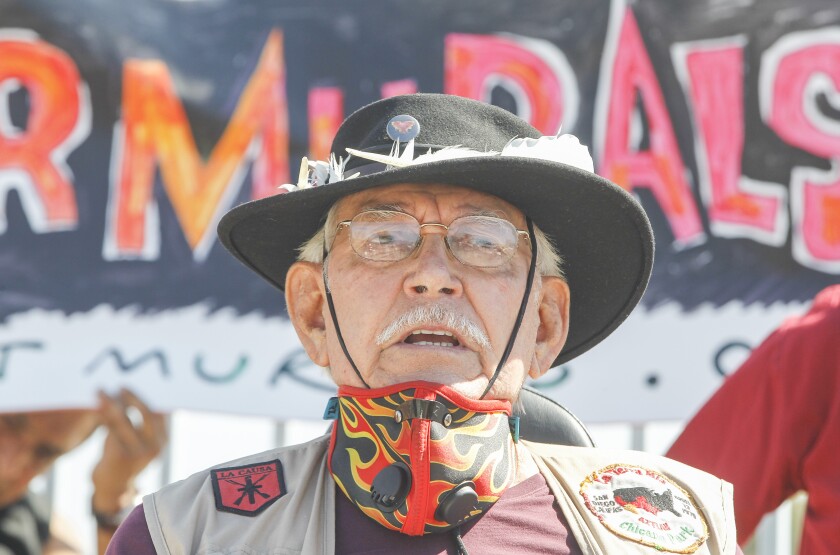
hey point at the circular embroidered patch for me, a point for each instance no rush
(646, 507)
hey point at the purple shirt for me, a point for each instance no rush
(132, 536)
(524, 520)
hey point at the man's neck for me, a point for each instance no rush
(525, 465)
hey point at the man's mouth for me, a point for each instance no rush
(432, 338)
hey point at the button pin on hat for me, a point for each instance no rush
(403, 128)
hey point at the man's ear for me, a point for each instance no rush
(305, 300)
(554, 324)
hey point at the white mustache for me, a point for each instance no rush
(419, 316)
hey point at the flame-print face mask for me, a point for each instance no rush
(420, 458)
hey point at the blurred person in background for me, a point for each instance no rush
(30, 442)
(773, 427)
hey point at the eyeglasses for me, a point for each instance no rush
(390, 236)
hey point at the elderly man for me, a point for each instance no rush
(425, 272)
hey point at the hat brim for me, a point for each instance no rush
(599, 229)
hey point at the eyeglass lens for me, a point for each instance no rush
(387, 236)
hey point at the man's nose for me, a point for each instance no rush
(433, 272)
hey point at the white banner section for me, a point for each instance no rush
(660, 365)
(188, 358)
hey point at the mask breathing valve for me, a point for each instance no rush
(391, 486)
(458, 504)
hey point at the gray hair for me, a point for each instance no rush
(549, 261)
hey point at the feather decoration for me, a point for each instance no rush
(303, 174)
(337, 168)
(320, 173)
(381, 158)
(565, 149)
(408, 151)
(452, 153)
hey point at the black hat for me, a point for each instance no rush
(600, 230)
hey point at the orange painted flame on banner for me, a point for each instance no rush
(156, 129)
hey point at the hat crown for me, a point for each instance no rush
(445, 121)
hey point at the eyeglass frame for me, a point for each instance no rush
(347, 223)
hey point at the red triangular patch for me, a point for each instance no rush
(248, 490)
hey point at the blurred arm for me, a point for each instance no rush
(129, 448)
(771, 428)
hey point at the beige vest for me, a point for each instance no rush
(182, 517)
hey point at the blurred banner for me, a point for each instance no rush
(128, 128)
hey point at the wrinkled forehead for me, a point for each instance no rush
(418, 198)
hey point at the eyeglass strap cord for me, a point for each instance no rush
(335, 318)
(522, 306)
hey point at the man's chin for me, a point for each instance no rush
(471, 387)
(449, 363)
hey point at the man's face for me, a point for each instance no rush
(30, 443)
(370, 296)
